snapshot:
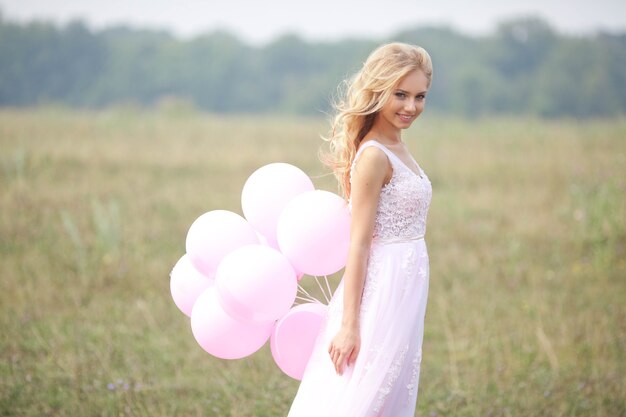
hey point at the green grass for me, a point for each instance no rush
(526, 235)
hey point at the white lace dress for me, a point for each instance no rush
(384, 379)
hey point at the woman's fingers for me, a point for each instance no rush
(353, 355)
(339, 363)
(339, 360)
(336, 359)
(334, 353)
(351, 358)
(341, 357)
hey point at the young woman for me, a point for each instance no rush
(366, 361)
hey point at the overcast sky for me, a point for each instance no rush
(259, 21)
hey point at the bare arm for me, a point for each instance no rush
(372, 171)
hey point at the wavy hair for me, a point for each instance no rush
(362, 96)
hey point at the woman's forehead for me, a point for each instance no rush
(415, 81)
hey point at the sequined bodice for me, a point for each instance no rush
(404, 201)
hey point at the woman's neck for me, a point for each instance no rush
(385, 132)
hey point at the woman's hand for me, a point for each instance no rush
(345, 347)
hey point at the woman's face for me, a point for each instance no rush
(406, 101)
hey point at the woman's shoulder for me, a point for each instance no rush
(375, 149)
(372, 152)
(371, 161)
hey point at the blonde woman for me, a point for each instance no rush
(366, 361)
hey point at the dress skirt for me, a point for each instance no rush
(383, 382)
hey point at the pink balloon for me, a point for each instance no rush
(264, 241)
(314, 232)
(221, 335)
(299, 275)
(213, 235)
(266, 193)
(186, 284)
(294, 337)
(256, 283)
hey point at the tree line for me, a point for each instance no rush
(523, 67)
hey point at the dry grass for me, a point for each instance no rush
(527, 241)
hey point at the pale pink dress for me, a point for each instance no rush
(384, 379)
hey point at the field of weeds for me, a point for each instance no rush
(526, 236)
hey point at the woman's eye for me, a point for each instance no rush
(420, 97)
(400, 95)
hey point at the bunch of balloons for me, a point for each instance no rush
(239, 278)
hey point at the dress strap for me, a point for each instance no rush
(394, 159)
(369, 144)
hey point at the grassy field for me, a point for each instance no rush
(526, 235)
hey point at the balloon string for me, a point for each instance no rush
(301, 288)
(311, 300)
(322, 289)
(330, 292)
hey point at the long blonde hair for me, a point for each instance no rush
(362, 97)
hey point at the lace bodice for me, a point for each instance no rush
(404, 201)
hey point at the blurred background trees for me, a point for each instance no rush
(524, 67)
